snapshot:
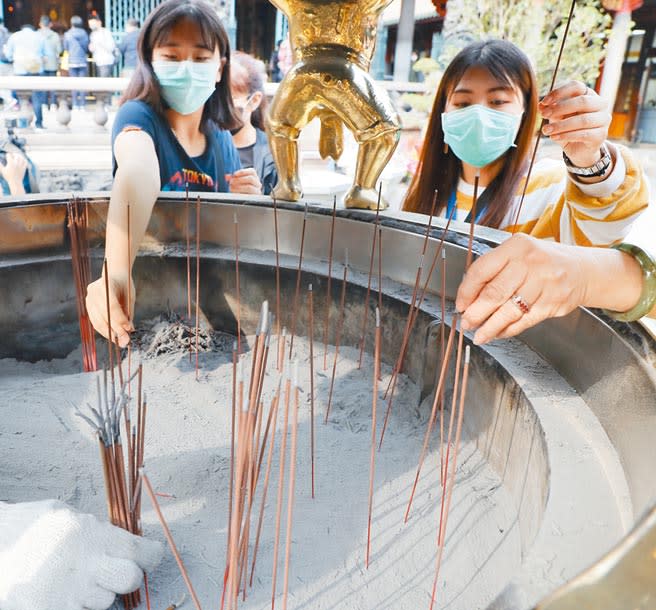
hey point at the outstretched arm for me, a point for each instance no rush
(137, 184)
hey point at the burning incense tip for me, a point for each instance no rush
(377, 317)
(443, 254)
(346, 259)
(467, 351)
(309, 287)
(305, 212)
(234, 218)
(295, 375)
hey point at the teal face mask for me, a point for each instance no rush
(479, 135)
(186, 85)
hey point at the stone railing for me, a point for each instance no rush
(63, 86)
(103, 89)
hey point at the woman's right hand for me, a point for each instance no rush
(14, 172)
(119, 312)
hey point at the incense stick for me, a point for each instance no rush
(340, 324)
(413, 315)
(274, 418)
(415, 288)
(197, 279)
(236, 224)
(329, 295)
(311, 337)
(290, 491)
(188, 237)
(371, 269)
(432, 418)
(109, 323)
(452, 477)
(372, 461)
(543, 122)
(169, 538)
(281, 482)
(442, 352)
(297, 293)
(232, 442)
(278, 314)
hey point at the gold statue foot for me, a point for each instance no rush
(359, 197)
(288, 190)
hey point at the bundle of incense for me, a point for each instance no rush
(122, 488)
(78, 222)
(245, 470)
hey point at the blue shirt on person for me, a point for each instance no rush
(176, 168)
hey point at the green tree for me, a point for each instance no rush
(536, 27)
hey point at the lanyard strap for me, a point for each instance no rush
(451, 204)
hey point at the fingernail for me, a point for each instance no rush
(480, 339)
(465, 325)
(547, 129)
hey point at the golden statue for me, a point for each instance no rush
(333, 42)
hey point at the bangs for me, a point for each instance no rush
(207, 22)
(505, 62)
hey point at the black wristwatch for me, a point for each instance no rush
(595, 170)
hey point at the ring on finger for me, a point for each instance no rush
(519, 301)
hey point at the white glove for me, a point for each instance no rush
(54, 558)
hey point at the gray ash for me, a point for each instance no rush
(170, 333)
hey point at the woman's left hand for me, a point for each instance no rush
(578, 121)
(245, 181)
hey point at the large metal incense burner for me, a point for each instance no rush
(566, 415)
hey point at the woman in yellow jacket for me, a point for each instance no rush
(482, 124)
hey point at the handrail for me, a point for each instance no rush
(119, 84)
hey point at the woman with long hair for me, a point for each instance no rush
(247, 86)
(172, 132)
(483, 124)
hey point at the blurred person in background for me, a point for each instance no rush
(52, 48)
(102, 46)
(128, 47)
(25, 49)
(247, 88)
(76, 44)
(5, 64)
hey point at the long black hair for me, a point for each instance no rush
(439, 169)
(144, 85)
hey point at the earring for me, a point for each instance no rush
(446, 148)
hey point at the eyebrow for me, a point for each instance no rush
(168, 43)
(490, 90)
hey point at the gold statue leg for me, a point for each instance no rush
(284, 149)
(373, 155)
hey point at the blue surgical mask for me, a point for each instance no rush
(186, 85)
(479, 135)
